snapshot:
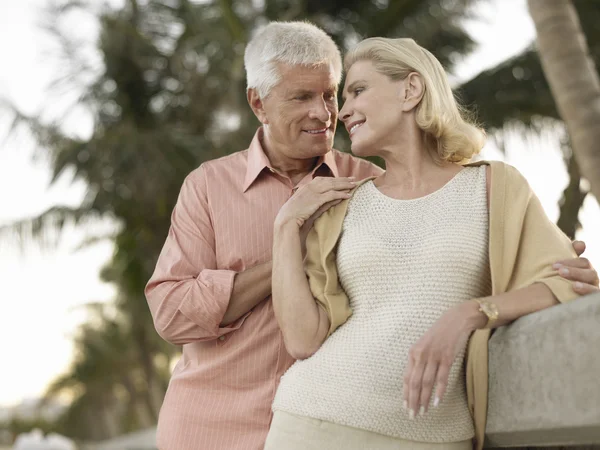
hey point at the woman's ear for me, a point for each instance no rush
(257, 105)
(413, 91)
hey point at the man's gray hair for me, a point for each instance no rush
(294, 43)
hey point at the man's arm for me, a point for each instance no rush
(189, 297)
(249, 289)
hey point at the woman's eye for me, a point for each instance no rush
(358, 91)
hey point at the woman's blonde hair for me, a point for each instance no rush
(444, 122)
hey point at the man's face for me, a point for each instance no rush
(300, 112)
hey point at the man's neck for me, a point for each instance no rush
(294, 169)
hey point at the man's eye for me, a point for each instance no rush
(302, 98)
(330, 96)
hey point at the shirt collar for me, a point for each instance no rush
(258, 161)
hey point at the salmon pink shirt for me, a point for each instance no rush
(221, 390)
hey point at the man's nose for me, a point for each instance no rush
(319, 111)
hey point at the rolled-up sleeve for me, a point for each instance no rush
(187, 294)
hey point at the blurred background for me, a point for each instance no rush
(105, 107)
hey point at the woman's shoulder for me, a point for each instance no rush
(501, 170)
(331, 220)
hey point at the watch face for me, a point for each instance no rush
(489, 310)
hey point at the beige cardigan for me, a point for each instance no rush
(523, 245)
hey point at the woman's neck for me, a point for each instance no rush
(411, 170)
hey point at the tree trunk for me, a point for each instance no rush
(572, 199)
(573, 80)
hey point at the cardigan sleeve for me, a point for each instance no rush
(539, 244)
(321, 269)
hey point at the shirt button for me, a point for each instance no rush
(221, 338)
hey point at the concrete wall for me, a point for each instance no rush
(545, 378)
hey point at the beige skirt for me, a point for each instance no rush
(292, 432)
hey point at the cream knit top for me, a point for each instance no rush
(402, 264)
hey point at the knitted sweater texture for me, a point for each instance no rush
(402, 264)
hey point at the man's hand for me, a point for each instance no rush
(579, 270)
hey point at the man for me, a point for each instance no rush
(211, 288)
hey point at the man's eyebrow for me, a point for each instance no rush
(298, 92)
(351, 87)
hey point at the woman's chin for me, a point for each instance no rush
(359, 149)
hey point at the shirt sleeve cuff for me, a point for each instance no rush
(208, 305)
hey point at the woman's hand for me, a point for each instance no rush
(310, 201)
(313, 199)
(430, 358)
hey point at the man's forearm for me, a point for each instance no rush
(249, 289)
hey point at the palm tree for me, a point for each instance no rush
(106, 381)
(516, 95)
(573, 80)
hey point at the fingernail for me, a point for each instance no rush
(564, 271)
(422, 411)
(436, 402)
(411, 414)
(405, 405)
(578, 285)
(556, 266)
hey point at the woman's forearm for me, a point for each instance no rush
(512, 305)
(303, 323)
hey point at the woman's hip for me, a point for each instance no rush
(292, 432)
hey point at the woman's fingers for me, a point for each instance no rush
(441, 383)
(415, 380)
(429, 376)
(406, 383)
(324, 184)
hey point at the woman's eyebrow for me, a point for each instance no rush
(351, 87)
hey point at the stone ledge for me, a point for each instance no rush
(544, 386)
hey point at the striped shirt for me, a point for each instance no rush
(222, 388)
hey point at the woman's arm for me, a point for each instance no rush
(303, 323)
(432, 356)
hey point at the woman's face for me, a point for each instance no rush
(375, 110)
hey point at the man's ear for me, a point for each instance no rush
(413, 91)
(256, 103)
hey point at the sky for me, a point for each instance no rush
(43, 289)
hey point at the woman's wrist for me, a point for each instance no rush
(285, 226)
(474, 318)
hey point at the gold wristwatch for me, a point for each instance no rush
(489, 309)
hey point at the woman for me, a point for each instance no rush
(412, 264)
